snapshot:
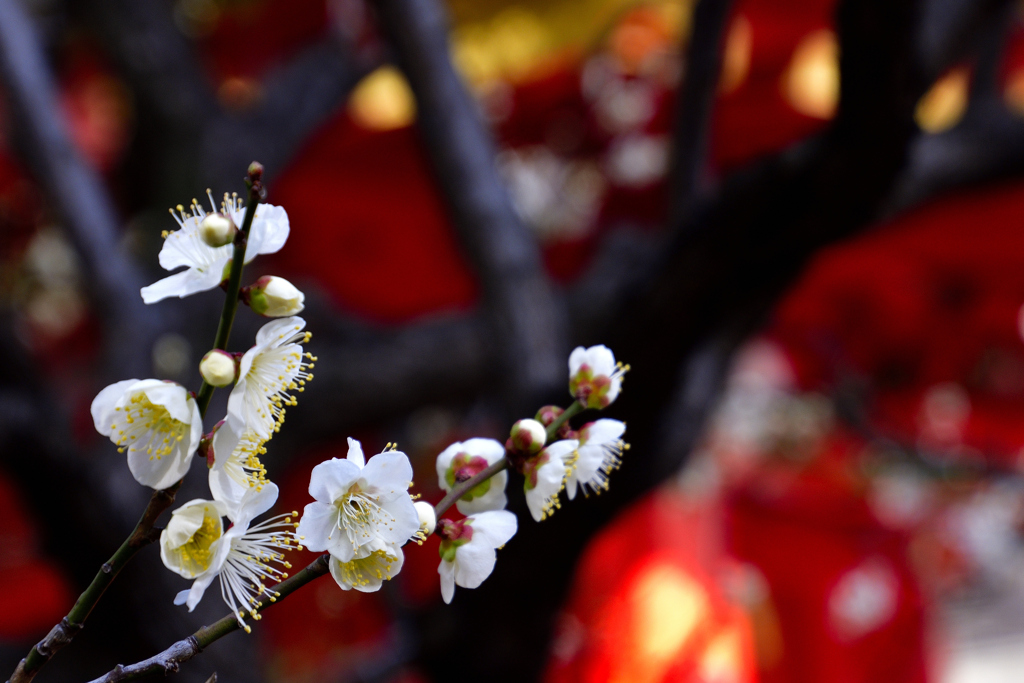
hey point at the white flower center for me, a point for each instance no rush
(361, 518)
(195, 554)
(142, 425)
(362, 572)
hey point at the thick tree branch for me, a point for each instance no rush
(694, 104)
(529, 323)
(77, 194)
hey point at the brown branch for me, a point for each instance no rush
(183, 650)
(529, 325)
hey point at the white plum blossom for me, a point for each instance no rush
(362, 508)
(268, 373)
(196, 546)
(464, 459)
(599, 453)
(236, 465)
(368, 574)
(204, 264)
(467, 548)
(428, 518)
(595, 379)
(545, 475)
(156, 422)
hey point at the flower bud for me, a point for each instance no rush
(428, 520)
(528, 436)
(274, 297)
(218, 368)
(217, 230)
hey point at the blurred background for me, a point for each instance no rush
(801, 223)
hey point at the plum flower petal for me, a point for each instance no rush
(467, 549)
(205, 264)
(196, 546)
(156, 422)
(600, 452)
(595, 379)
(462, 460)
(368, 574)
(545, 475)
(269, 375)
(360, 509)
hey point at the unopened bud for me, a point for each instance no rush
(217, 230)
(218, 368)
(255, 171)
(274, 297)
(428, 520)
(528, 436)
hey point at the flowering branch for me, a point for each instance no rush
(183, 650)
(145, 531)
(227, 317)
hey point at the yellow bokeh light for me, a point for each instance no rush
(1013, 94)
(722, 661)
(811, 82)
(739, 45)
(944, 104)
(668, 606)
(383, 100)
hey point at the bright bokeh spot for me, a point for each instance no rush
(668, 605)
(383, 101)
(811, 83)
(1013, 94)
(944, 105)
(739, 46)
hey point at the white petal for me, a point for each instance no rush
(447, 571)
(317, 522)
(181, 597)
(490, 450)
(388, 472)
(576, 359)
(473, 564)
(601, 360)
(406, 519)
(199, 586)
(225, 488)
(254, 503)
(604, 431)
(494, 499)
(103, 405)
(157, 473)
(185, 247)
(225, 440)
(279, 330)
(269, 232)
(444, 461)
(332, 478)
(181, 284)
(494, 528)
(355, 452)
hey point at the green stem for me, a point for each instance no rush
(145, 531)
(572, 411)
(227, 315)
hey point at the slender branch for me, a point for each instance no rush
(459, 490)
(183, 650)
(145, 530)
(227, 316)
(572, 411)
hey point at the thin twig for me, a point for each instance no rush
(183, 650)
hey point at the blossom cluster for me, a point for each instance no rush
(159, 423)
(363, 513)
